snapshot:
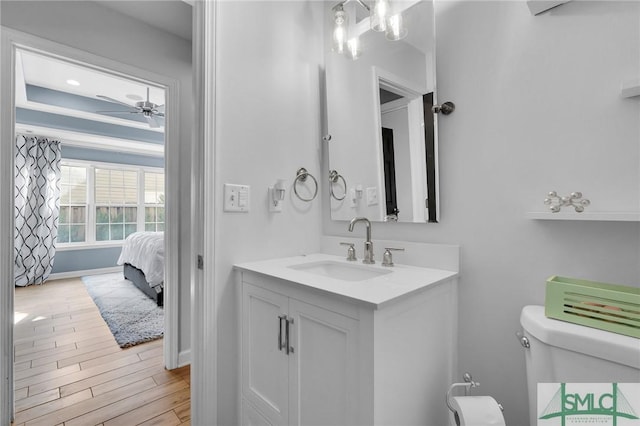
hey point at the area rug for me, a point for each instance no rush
(132, 317)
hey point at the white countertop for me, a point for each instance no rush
(402, 280)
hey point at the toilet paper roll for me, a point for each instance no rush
(478, 411)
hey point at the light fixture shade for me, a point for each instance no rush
(354, 48)
(395, 28)
(340, 28)
(379, 13)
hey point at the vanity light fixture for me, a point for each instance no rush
(340, 29)
(345, 37)
(379, 15)
(354, 49)
(395, 28)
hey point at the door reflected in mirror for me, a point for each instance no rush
(379, 115)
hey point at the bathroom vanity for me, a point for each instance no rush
(331, 342)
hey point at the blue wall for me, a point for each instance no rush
(80, 260)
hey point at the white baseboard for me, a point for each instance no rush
(184, 358)
(77, 274)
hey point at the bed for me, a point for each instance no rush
(142, 258)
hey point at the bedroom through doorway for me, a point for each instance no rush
(105, 186)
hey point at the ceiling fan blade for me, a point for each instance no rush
(153, 123)
(159, 114)
(117, 112)
(114, 100)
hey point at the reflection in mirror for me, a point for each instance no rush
(383, 139)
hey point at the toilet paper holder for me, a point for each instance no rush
(467, 385)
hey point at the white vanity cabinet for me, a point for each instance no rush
(309, 377)
(346, 361)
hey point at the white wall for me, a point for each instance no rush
(90, 27)
(537, 109)
(267, 126)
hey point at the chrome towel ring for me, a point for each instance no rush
(301, 176)
(334, 176)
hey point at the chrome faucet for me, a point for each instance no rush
(368, 245)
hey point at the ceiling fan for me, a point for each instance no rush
(148, 109)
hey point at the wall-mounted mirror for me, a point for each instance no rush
(383, 138)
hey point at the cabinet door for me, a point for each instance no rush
(251, 416)
(264, 366)
(323, 372)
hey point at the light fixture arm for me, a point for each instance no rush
(342, 3)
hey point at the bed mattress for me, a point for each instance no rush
(145, 251)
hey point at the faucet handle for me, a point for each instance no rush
(387, 258)
(351, 251)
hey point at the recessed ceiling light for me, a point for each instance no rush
(73, 82)
(134, 97)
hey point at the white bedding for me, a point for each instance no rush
(145, 251)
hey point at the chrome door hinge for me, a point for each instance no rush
(200, 262)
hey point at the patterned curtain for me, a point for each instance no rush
(37, 206)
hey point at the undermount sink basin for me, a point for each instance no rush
(340, 271)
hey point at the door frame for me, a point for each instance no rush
(204, 309)
(10, 41)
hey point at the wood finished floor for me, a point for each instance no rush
(70, 371)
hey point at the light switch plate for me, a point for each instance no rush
(372, 196)
(236, 198)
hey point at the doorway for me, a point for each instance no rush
(12, 42)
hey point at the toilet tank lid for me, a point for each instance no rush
(578, 338)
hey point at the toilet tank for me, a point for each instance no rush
(563, 352)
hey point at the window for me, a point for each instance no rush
(153, 201)
(72, 221)
(108, 202)
(116, 194)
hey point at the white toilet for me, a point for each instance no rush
(562, 352)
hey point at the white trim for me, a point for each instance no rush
(172, 226)
(107, 165)
(12, 39)
(88, 246)
(184, 358)
(83, 273)
(204, 312)
(85, 140)
(7, 120)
